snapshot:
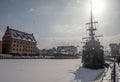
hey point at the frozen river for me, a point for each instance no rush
(44, 70)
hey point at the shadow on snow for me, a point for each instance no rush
(86, 75)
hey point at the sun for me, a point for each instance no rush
(98, 6)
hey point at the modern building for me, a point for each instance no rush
(71, 50)
(0, 47)
(16, 42)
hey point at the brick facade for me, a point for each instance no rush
(18, 43)
(114, 49)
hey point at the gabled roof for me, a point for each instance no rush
(16, 34)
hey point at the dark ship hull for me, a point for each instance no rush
(95, 60)
(93, 55)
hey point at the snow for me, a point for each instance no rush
(87, 75)
(45, 70)
(118, 73)
(22, 35)
(106, 76)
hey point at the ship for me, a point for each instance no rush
(93, 51)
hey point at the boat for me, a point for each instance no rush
(93, 51)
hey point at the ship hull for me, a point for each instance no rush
(93, 59)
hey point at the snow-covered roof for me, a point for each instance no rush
(21, 35)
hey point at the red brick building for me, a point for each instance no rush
(0, 47)
(18, 43)
(114, 49)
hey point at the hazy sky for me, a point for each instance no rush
(59, 22)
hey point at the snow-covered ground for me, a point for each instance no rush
(107, 75)
(45, 70)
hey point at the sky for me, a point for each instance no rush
(60, 22)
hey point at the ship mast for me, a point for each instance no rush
(91, 28)
(93, 54)
(91, 24)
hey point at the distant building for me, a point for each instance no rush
(16, 42)
(0, 47)
(71, 50)
(114, 49)
(119, 49)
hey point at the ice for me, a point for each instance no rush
(45, 70)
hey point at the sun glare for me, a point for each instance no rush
(98, 6)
